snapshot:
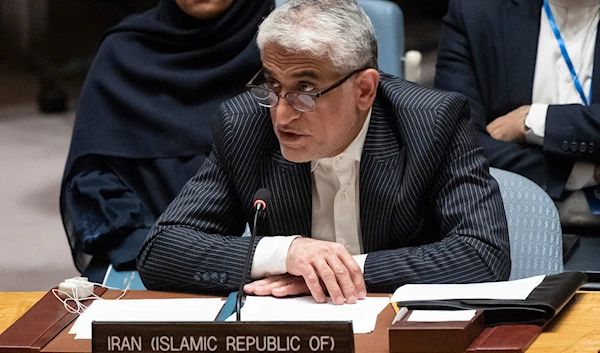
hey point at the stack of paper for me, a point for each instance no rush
(363, 314)
(136, 310)
(507, 290)
(441, 315)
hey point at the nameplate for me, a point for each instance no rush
(259, 337)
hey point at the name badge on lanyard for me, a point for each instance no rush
(565, 54)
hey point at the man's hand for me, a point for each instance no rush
(278, 286)
(329, 262)
(510, 127)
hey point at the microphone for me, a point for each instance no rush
(262, 198)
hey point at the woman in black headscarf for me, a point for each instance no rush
(143, 125)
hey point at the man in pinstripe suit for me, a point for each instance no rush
(376, 182)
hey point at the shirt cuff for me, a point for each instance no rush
(270, 256)
(360, 260)
(582, 176)
(536, 124)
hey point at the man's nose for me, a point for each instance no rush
(285, 112)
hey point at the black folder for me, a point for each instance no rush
(544, 302)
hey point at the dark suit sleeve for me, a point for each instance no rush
(465, 202)
(106, 217)
(457, 71)
(573, 131)
(186, 249)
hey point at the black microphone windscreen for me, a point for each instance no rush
(262, 197)
(263, 194)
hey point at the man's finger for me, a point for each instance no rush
(494, 123)
(264, 286)
(329, 278)
(293, 288)
(312, 282)
(344, 280)
(494, 132)
(356, 275)
(249, 288)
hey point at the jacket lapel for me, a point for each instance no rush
(522, 29)
(290, 186)
(381, 167)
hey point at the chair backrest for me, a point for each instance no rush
(388, 20)
(533, 226)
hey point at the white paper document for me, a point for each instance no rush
(441, 315)
(135, 310)
(363, 314)
(507, 290)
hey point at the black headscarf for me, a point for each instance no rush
(158, 78)
(147, 104)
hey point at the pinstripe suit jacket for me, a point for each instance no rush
(429, 210)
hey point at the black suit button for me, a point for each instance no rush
(214, 277)
(573, 146)
(205, 277)
(582, 147)
(545, 187)
(565, 146)
(223, 277)
(197, 276)
(591, 147)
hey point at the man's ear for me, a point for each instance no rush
(366, 85)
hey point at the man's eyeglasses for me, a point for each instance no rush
(301, 101)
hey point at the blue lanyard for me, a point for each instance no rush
(565, 54)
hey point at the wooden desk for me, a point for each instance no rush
(575, 329)
(15, 304)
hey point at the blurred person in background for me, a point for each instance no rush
(528, 69)
(143, 124)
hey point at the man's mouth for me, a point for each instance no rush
(289, 136)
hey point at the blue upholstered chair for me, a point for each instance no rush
(533, 226)
(388, 21)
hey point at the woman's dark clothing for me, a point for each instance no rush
(143, 125)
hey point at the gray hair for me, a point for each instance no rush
(338, 30)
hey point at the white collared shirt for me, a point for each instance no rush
(577, 21)
(335, 210)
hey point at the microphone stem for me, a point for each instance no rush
(240, 293)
